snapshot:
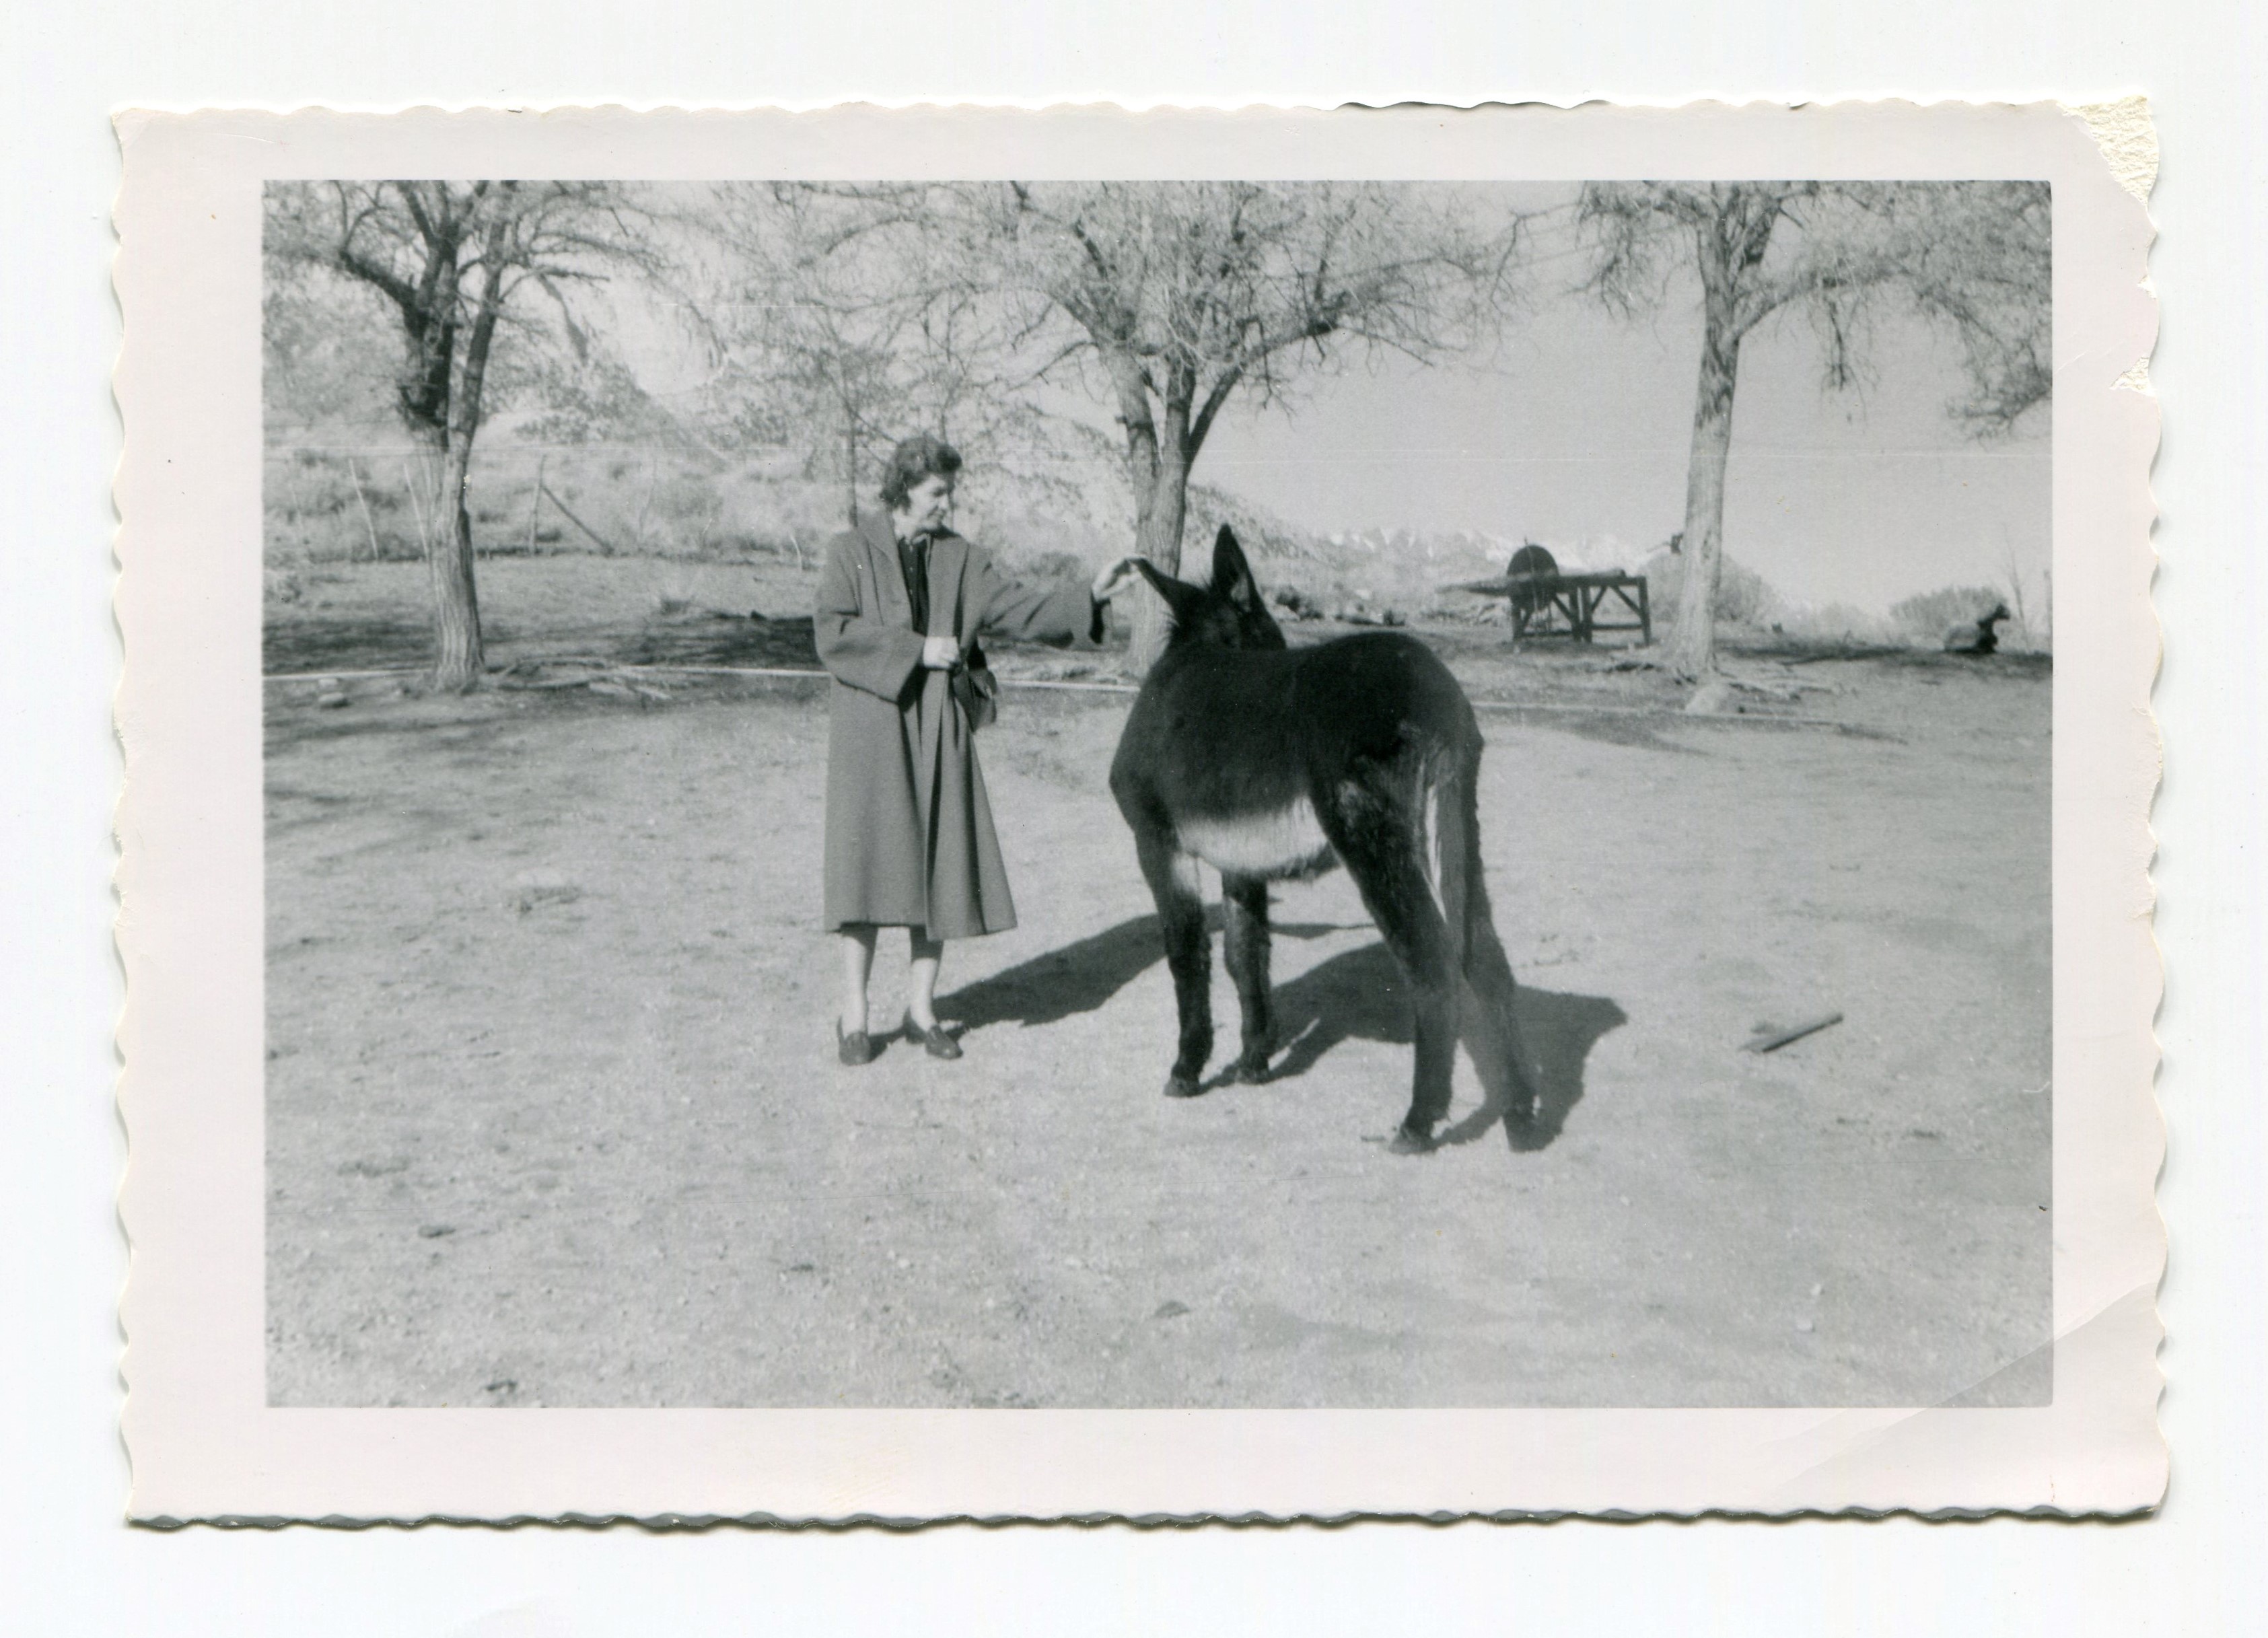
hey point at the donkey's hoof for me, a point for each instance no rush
(1180, 1085)
(1409, 1140)
(1246, 1072)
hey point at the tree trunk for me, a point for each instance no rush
(458, 661)
(1162, 502)
(1159, 459)
(430, 323)
(1692, 651)
(457, 658)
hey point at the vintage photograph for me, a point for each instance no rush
(1157, 794)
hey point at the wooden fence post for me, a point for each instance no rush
(535, 502)
(603, 544)
(368, 527)
(417, 506)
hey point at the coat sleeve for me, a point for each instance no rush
(1063, 612)
(856, 647)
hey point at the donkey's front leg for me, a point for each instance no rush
(1245, 943)
(1172, 877)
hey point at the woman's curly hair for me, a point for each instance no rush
(923, 455)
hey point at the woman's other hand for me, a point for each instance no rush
(1115, 579)
(941, 653)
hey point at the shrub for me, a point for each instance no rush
(1833, 622)
(1743, 595)
(1053, 566)
(687, 511)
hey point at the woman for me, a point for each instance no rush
(901, 602)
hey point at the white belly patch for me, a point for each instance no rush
(1285, 842)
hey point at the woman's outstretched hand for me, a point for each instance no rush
(941, 653)
(1115, 579)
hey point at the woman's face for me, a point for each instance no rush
(928, 504)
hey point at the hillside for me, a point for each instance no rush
(346, 493)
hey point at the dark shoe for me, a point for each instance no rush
(934, 1041)
(857, 1047)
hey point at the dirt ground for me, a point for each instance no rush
(554, 1118)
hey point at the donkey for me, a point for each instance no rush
(1272, 764)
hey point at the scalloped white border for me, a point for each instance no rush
(205, 1445)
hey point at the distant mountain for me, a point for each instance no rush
(1448, 555)
(1258, 531)
(1443, 555)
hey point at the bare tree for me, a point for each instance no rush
(832, 333)
(449, 258)
(1972, 256)
(1168, 300)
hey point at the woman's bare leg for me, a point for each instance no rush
(921, 999)
(857, 964)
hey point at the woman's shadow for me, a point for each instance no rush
(1359, 994)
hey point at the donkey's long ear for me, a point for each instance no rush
(1231, 575)
(1181, 601)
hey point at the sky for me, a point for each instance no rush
(1580, 429)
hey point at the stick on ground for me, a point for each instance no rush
(1778, 1038)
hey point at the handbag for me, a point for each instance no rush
(978, 690)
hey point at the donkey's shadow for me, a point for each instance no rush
(1360, 995)
(1079, 977)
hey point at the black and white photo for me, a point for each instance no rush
(997, 792)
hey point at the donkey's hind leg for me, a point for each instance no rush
(1492, 1026)
(1382, 851)
(1491, 1021)
(1172, 877)
(1245, 943)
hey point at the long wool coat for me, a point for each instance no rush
(910, 840)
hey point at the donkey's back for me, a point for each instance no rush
(1237, 750)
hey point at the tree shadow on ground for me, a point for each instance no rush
(294, 643)
(299, 643)
(1637, 732)
(710, 638)
(1359, 994)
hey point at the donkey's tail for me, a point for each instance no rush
(1450, 806)
(1451, 796)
